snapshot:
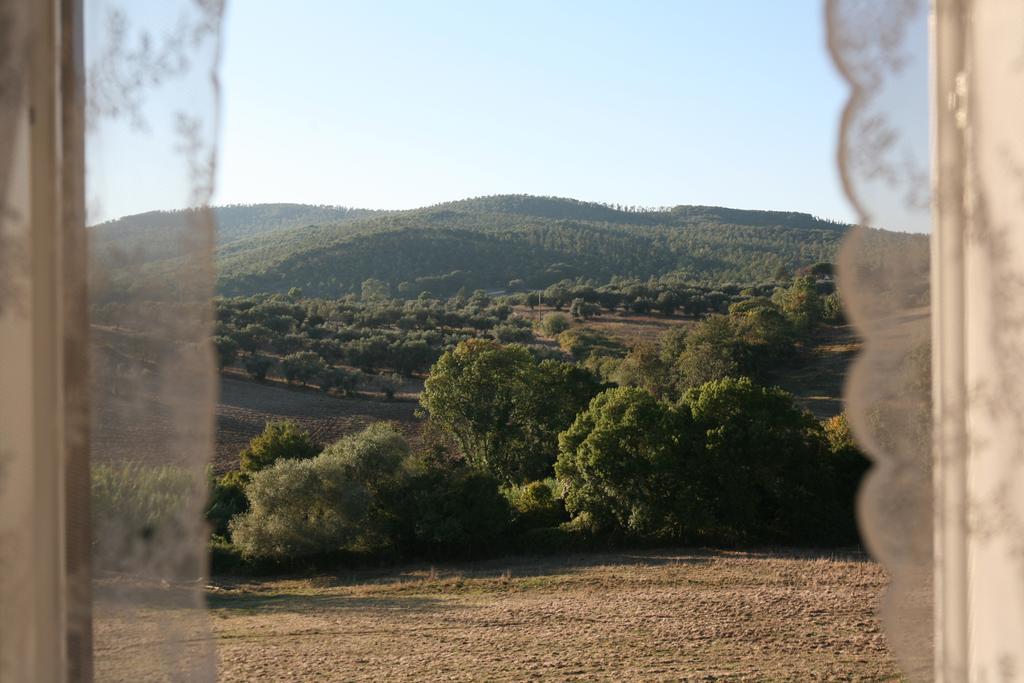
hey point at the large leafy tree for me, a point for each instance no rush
(768, 462)
(629, 462)
(503, 407)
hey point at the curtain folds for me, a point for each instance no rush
(151, 114)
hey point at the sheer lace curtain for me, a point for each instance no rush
(108, 380)
(943, 507)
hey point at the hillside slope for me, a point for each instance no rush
(488, 242)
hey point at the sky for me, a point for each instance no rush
(393, 104)
(404, 103)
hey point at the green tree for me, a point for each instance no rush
(342, 499)
(503, 408)
(554, 324)
(375, 290)
(770, 475)
(227, 350)
(627, 463)
(279, 441)
(302, 366)
(800, 303)
(257, 366)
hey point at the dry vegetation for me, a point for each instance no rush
(246, 406)
(630, 616)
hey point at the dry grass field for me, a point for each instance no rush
(652, 616)
(246, 406)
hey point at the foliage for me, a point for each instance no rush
(316, 508)
(769, 474)
(627, 462)
(535, 505)
(279, 441)
(554, 324)
(451, 510)
(503, 407)
(227, 499)
(257, 366)
(227, 350)
(302, 366)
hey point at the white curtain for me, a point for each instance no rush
(936, 395)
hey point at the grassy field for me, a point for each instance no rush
(670, 615)
(246, 406)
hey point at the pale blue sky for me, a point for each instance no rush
(403, 103)
(400, 104)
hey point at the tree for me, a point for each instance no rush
(800, 303)
(667, 302)
(581, 309)
(302, 366)
(279, 441)
(711, 351)
(375, 290)
(645, 367)
(227, 351)
(770, 475)
(504, 408)
(554, 324)
(627, 463)
(832, 309)
(257, 366)
(532, 300)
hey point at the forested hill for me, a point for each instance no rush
(151, 233)
(489, 242)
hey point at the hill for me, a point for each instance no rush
(488, 243)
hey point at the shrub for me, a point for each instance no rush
(454, 511)
(554, 324)
(227, 499)
(513, 334)
(535, 505)
(299, 509)
(341, 500)
(279, 441)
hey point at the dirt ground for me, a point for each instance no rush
(670, 615)
(246, 406)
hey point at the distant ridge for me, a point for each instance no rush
(486, 242)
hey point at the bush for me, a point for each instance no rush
(299, 509)
(554, 324)
(227, 499)
(535, 505)
(454, 512)
(279, 441)
(340, 501)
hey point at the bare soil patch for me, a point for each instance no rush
(670, 615)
